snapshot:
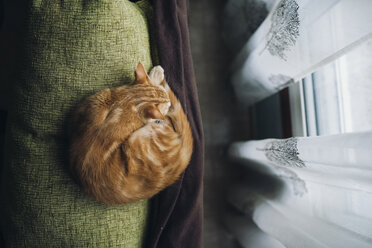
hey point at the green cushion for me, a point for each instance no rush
(72, 49)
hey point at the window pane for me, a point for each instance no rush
(356, 88)
(326, 100)
(340, 94)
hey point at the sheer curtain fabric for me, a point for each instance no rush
(326, 194)
(296, 38)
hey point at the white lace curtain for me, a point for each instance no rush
(296, 38)
(303, 191)
(325, 195)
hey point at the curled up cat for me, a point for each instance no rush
(129, 143)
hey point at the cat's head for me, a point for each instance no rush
(155, 100)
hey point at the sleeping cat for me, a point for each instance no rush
(130, 142)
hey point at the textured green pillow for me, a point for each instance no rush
(71, 49)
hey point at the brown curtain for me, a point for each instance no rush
(178, 210)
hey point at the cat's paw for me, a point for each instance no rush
(157, 75)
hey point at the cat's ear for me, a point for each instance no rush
(152, 112)
(140, 73)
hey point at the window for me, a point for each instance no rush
(336, 98)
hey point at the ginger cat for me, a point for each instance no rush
(130, 142)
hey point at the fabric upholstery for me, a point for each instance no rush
(70, 49)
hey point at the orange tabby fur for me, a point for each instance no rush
(130, 142)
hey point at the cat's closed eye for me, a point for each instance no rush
(158, 121)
